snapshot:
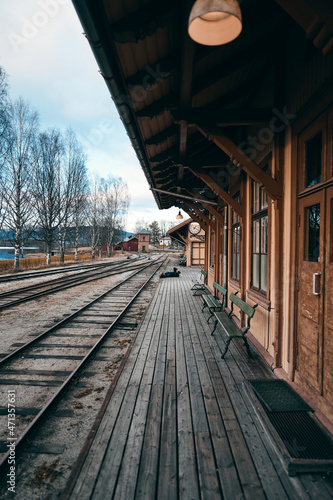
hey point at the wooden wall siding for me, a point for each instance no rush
(288, 286)
(307, 69)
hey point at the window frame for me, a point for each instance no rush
(235, 232)
(259, 213)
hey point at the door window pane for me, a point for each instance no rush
(263, 284)
(256, 236)
(264, 227)
(255, 277)
(313, 149)
(312, 233)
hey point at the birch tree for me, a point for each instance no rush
(72, 180)
(47, 197)
(115, 200)
(79, 202)
(93, 214)
(16, 181)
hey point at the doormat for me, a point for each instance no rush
(278, 396)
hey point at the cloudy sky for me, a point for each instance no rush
(49, 63)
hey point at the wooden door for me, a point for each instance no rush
(328, 301)
(311, 258)
(198, 254)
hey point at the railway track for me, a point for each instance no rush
(44, 368)
(24, 294)
(48, 272)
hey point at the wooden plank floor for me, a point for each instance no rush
(180, 422)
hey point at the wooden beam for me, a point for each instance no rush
(315, 17)
(180, 237)
(165, 155)
(218, 190)
(209, 207)
(270, 185)
(145, 21)
(166, 103)
(224, 117)
(232, 64)
(155, 73)
(228, 66)
(161, 137)
(184, 207)
(200, 214)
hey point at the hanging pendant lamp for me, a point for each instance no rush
(215, 22)
(179, 216)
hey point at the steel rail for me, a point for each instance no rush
(65, 278)
(46, 272)
(70, 283)
(40, 417)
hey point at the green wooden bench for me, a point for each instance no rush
(212, 301)
(200, 284)
(182, 260)
(229, 326)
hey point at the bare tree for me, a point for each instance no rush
(79, 202)
(4, 116)
(72, 177)
(47, 196)
(115, 200)
(140, 224)
(16, 179)
(165, 226)
(92, 214)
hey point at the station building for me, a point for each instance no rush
(239, 137)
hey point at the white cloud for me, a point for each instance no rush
(54, 68)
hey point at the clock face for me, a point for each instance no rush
(194, 228)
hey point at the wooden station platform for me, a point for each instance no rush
(180, 422)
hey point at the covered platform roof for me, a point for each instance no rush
(185, 105)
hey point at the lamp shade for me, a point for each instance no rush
(215, 22)
(179, 216)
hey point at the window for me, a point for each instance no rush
(313, 150)
(212, 248)
(235, 243)
(143, 238)
(259, 238)
(312, 233)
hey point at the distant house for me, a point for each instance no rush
(129, 244)
(165, 241)
(143, 243)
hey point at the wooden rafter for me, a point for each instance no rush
(315, 17)
(208, 79)
(270, 185)
(201, 215)
(224, 117)
(193, 216)
(145, 21)
(167, 102)
(180, 236)
(163, 136)
(209, 207)
(155, 73)
(216, 188)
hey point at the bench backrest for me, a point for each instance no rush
(243, 306)
(204, 274)
(220, 288)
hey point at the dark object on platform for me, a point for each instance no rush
(277, 395)
(171, 274)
